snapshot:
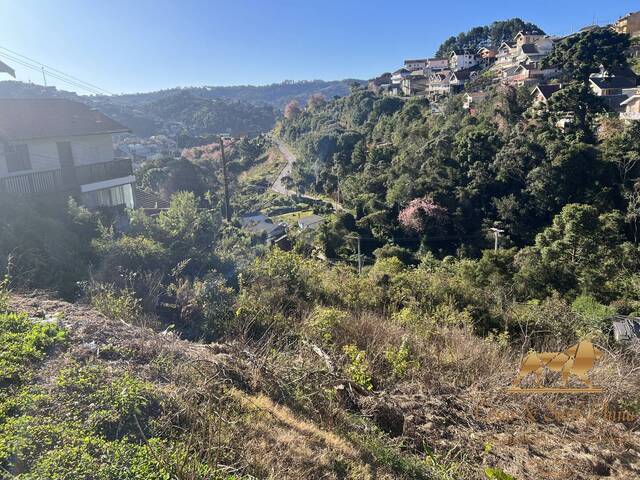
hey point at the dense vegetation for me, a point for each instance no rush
(490, 36)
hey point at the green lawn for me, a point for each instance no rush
(268, 169)
(293, 217)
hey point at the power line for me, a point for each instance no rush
(58, 71)
(39, 70)
(52, 72)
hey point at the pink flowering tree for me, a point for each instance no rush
(414, 217)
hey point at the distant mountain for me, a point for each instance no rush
(276, 94)
(194, 110)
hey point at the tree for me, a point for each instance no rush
(316, 101)
(582, 54)
(292, 110)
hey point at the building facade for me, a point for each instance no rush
(57, 146)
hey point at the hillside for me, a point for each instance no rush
(100, 397)
(194, 111)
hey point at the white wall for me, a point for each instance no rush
(86, 150)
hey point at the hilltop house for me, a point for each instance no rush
(417, 64)
(415, 83)
(632, 107)
(399, 75)
(56, 146)
(462, 60)
(629, 24)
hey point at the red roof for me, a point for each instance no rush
(28, 118)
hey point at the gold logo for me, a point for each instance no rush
(576, 360)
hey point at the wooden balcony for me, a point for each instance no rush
(50, 181)
(99, 172)
(33, 183)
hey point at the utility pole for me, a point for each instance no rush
(227, 211)
(496, 234)
(44, 77)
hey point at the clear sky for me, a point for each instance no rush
(143, 45)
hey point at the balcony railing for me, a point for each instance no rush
(50, 181)
(99, 172)
(33, 183)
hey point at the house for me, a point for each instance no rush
(506, 54)
(631, 107)
(487, 56)
(629, 24)
(260, 224)
(416, 64)
(57, 146)
(460, 77)
(462, 60)
(542, 93)
(437, 64)
(311, 222)
(523, 38)
(606, 83)
(526, 75)
(472, 100)
(439, 84)
(399, 75)
(415, 83)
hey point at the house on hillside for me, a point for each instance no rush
(462, 60)
(487, 56)
(415, 84)
(416, 64)
(399, 75)
(473, 100)
(629, 24)
(437, 64)
(261, 225)
(51, 146)
(613, 86)
(631, 107)
(527, 75)
(505, 57)
(542, 93)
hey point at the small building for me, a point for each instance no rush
(631, 107)
(414, 84)
(610, 85)
(311, 222)
(472, 100)
(260, 224)
(53, 146)
(542, 93)
(629, 24)
(487, 56)
(375, 84)
(523, 38)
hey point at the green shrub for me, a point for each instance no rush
(322, 322)
(115, 304)
(358, 369)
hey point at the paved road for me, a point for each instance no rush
(281, 188)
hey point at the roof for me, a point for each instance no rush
(614, 82)
(631, 99)
(4, 68)
(149, 200)
(417, 60)
(28, 118)
(547, 90)
(401, 70)
(310, 221)
(529, 48)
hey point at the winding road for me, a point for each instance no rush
(279, 185)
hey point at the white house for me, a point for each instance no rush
(462, 60)
(437, 64)
(632, 107)
(57, 146)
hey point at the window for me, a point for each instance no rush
(110, 197)
(17, 158)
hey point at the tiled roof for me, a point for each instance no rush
(28, 118)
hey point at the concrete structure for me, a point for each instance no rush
(629, 24)
(462, 60)
(56, 146)
(631, 107)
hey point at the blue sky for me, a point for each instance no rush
(142, 45)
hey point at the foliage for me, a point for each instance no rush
(358, 368)
(490, 36)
